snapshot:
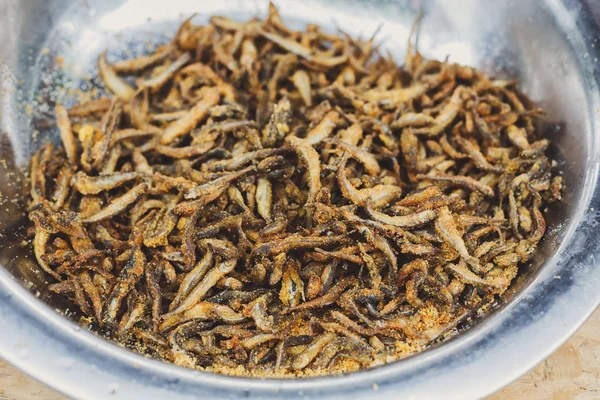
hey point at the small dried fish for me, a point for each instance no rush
(379, 195)
(303, 359)
(446, 228)
(291, 201)
(288, 44)
(192, 279)
(62, 190)
(211, 190)
(129, 276)
(196, 114)
(474, 153)
(66, 133)
(446, 114)
(323, 129)
(86, 184)
(39, 246)
(469, 277)
(160, 227)
(301, 80)
(462, 181)
(156, 82)
(118, 205)
(292, 286)
(295, 241)
(364, 157)
(404, 221)
(311, 160)
(264, 198)
(140, 63)
(108, 125)
(90, 108)
(209, 280)
(201, 311)
(396, 97)
(112, 81)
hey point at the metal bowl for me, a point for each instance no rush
(550, 46)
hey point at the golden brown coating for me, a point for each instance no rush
(266, 201)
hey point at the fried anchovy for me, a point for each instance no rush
(187, 122)
(252, 199)
(114, 83)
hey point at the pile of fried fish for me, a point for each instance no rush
(256, 200)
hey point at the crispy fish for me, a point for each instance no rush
(253, 199)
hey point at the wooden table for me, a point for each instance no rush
(572, 372)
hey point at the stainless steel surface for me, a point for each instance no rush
(549, 45)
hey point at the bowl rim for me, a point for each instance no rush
(103, 369)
